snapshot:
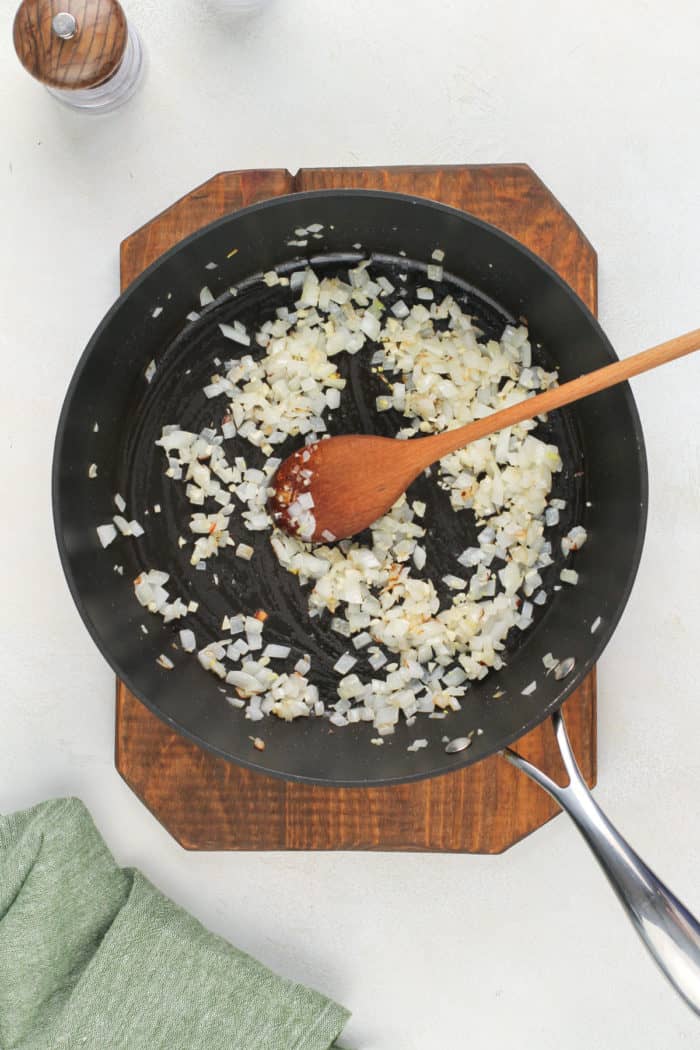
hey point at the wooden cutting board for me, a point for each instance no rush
(207, 803)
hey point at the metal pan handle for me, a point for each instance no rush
(669, 931)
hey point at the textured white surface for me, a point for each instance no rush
(527, 949)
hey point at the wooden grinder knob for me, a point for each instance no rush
(70, 44)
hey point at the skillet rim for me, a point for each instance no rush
(601, 639)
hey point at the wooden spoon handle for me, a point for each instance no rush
(450, 440)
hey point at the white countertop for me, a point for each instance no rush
(529, 948)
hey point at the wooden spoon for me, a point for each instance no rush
(355, 478)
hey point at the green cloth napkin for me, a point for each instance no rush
(92, 955)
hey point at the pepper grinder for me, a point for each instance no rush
(85, 52)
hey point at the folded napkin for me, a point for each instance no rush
(92, 955)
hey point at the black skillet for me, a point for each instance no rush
(604, 478)
(112, 416)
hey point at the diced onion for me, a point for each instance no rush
(417, 745)
(436, 370)
(276, 652)
(237, 335)
(344, 663)
(188, 641)
(106, 534)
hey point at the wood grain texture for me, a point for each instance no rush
(221, 195)
(511, 196)
(89, 58)
(209, 804)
